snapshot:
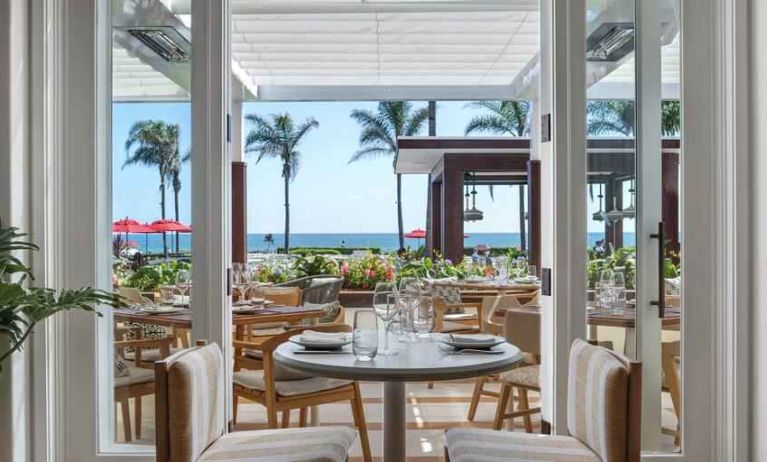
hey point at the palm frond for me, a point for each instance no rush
(416, 122)
(370, 152)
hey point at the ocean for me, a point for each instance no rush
(385, 241)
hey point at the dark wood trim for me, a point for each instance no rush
(463, 143)
(452, 214)
(670, 201)
(239, 212)
(534, 212)
(434, 234)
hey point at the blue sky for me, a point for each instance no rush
(329, 195)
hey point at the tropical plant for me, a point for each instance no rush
(504, 118)
(22, 306)
(151, 277)
(156, 145)
(671, 118)
(175, 176)
(279, 138)
(436, 268)
(365, 272)
(610, 117)
(315, 265)
(380, 130)
(269, 239)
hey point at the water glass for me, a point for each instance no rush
(365, 335)
(423, 317)
(406, 306)
(183, 284)
(532, 271)
(618, 287)
(604, 288)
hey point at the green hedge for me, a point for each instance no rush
(308, 251)
(496, 251)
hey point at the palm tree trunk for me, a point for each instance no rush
(287, 214)
(175, 198)
(522, 225)
(399, 212)
(162, 215)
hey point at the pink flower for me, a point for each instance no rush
(372, 273)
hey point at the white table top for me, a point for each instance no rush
(423, 361)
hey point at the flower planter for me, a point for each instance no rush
(352, 298)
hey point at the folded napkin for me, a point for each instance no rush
(473, 338)
(324, 337)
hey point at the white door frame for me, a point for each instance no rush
(714, 206)
(72, 218)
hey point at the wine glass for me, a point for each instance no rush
(365, 335)
(604, 285)
(183, 283)
(385, 306)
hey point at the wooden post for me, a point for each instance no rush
(239, 212)
(534, 212)
(670, 200)
(452, 213)
(434, 232)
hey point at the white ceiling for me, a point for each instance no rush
(133, 80)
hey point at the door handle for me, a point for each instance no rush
(661, 301)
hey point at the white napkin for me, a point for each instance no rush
(324, 337)
(473, 338)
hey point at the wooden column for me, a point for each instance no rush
(452, 213)
(434, 231)
(239, 212)
(534, 213)
(670, 200)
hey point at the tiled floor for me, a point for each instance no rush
(429, 412)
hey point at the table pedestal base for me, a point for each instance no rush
(394, 422)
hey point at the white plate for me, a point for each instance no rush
(162, 310)
(462, 344)
(309, 345)
(526, 280)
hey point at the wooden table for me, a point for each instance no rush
(427, 360)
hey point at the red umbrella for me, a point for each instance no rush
(128, 225)
(417, 233)
(161, 226)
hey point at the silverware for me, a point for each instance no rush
(473, 351)
(321, 352)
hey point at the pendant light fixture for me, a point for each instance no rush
(630, 211)
(614, 215)
(599, 215)
(473, 214)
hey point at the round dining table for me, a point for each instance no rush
(424, 361)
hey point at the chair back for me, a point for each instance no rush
(604, 400)
(322, 290)
(493, 321)
(288, 296)
(189, 402)
(522, 328)
(133, 296)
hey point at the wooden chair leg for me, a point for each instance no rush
(286, 418)
(475, 397)
(503, 401)
(358, 411)
(236, 401)
(302, 416)
(523, 406)
(430, 386)
(125, 411)
(137, 416)
(271, 418)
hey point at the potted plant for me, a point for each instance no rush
(22, 305)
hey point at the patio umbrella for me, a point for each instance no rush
(129, 225)
(163, 226)
(417, 233)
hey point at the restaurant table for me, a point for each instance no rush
(427, 360)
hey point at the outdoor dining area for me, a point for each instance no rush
(424, 355)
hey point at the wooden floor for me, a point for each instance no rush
(429, 414)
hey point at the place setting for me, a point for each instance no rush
(314, 342)
(456, 344)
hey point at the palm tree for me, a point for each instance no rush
(671, 121)
(279, 138)
(175, 176)
(156, 145)
(380, 130)
(505, 118)
(609, 117)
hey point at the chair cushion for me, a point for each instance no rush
(460, 317)
(597, 399)
(255, 381)
(134, 376)
(526, 376)
(195, 401)
(331, 310)
(120, 366)
(313, 444)
(148, 354)
(450, 296)
(479, 445)
(448, 326)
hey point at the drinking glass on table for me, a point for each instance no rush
(618, 287)
(532, 271)
(604, 288)
(423, 317)
(183, 284)
(365, 335)
(385, 306)
(406, 304)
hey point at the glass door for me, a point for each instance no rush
(633, 277)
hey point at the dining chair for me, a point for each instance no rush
(288, 296)
(451, 314)
(672, 378)
(190, 423)
(133, 381)
(522, 329)
(607, 429)
(281, 389)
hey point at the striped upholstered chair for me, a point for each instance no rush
(189, 417)
(603, 418)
